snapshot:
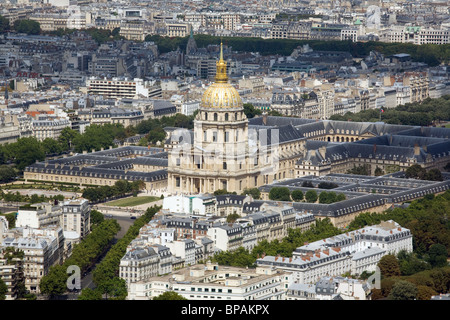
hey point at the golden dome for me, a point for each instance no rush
(221, 94)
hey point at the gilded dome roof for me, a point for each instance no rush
(221, 94)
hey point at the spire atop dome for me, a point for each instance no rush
(221, 68)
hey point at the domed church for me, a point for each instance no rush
(223, 153)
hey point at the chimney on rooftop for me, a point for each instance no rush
(416, 149)
(264, 118)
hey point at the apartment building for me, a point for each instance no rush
(9, 129)
(189, 107)
(42, 249)
(178, 29)
(11, 273)
(117, 88)
(187, 227)
(291, 30)
(416, 34)
(190, 205)
(108, 23)
(139, 263)
(39, 215)
(330, 288)
(184, 249)
(212, 282)
(76, 216)
(49, 127)
(227, 237)
(135, 30)
(353, 252)
(63, 20)
(100, 116)
(432, 36)
(255, 84)
(231, 204)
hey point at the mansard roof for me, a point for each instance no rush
(278, 121)
(96, 172)
(279, 135)
(139, 253)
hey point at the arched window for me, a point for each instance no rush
(226, 116)
(215, 116)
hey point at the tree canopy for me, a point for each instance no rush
(424, 113)
(4, 24)
(27, 26)
(280, 194)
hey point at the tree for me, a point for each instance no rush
(137, 186)
(3, 289)
(99, 35)
(97, 137)
(280, 194)
(90, 294)
(425, 293)
(437, 255)
(155, 135)
(55, 282)
(51, 146)
(378, 171)
(415, 171)
(26, 151)
(327, 197)
(359, 170)
(67, 137)
(27, 26)
(307, 184)
(232, 217)
(389, 266)
(169, 295)
(92, 194)
(7, 174)
(122, 187)
(115, 288)
(410, 264)
(250, 111)
(327, 185)
(297, 195)
(220, 192)
(254, 192)
(403, 290)
(434, 175)
(4, 24)
(275, 113)
(96, 217)
(311, 196)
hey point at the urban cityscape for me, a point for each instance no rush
(221, 151)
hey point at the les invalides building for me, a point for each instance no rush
(222, 153)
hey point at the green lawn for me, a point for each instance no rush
(132, 201)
